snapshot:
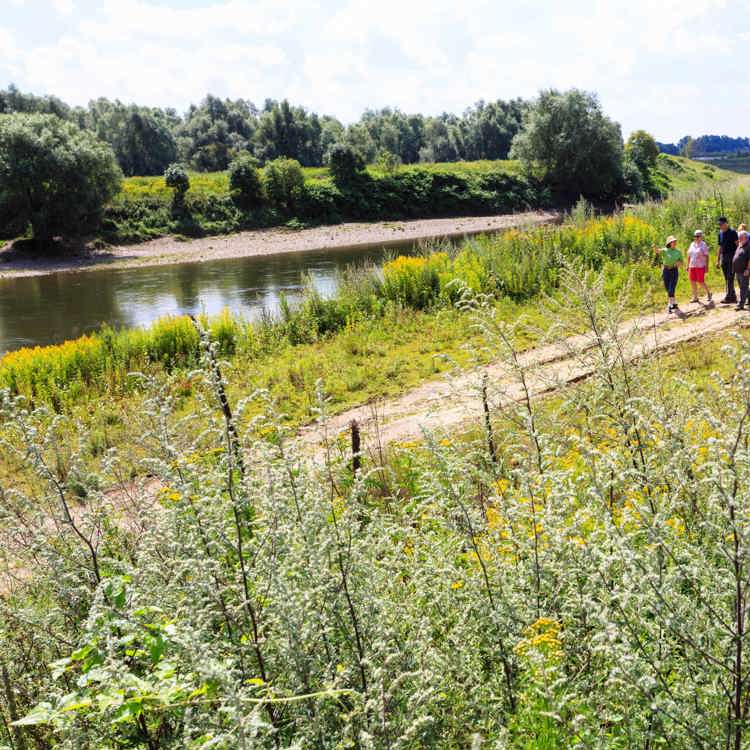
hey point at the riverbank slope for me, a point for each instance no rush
(169, 250)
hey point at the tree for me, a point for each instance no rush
(568, 141)
(283, 181)
(642, 150)
(346, 165)
(686, 147)
(55, 176)
(244, 182)
(142, 138)
(214, 132)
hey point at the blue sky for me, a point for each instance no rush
(670, 66)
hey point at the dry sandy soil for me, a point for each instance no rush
(264, 242)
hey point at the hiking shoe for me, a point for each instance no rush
(695, 300)
(740, 307)
(670, 309)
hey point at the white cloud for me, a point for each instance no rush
(340, 56)
(64, 7)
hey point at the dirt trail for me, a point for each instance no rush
(444, 405)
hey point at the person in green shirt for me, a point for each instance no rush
(671, 260)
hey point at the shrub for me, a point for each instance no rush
(346, 165)
(245, 183)
(283, 182)
(54, 176)
(176, 177)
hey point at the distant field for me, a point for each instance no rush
(217, 183)
(739, 164)
(682, 173)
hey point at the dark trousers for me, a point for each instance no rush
(669, 277)
(744, 283)
(726, 267)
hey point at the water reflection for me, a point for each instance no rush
(49, 309)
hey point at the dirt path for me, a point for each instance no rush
(169, 250)
(444, 405)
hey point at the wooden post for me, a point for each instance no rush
(487, 421)
(356, 447)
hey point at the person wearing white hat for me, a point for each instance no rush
(671, 260)
(697, 264)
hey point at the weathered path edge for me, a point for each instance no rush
(445, 405)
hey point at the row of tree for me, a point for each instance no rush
(58, 175)
(706, 145)
(210, 135)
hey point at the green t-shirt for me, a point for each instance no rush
(670, 256)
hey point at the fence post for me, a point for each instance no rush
(488, 422)
(356, 446)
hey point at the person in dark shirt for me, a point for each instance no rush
(741, 265)
(727, 247)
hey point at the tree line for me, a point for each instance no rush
(705, 145)
(211, 134)
(61, 168)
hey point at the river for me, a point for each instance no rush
(41, 310)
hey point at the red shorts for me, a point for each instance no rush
(697, 274)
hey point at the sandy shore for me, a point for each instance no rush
(263, 242)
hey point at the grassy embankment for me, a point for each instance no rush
(143, 210)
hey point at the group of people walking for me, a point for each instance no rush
(733, 257)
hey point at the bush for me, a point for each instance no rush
(54, 176)
(346, 165)
(283, 182)
(176, 177)
(244, 182)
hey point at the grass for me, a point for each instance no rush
(217, 183)
(681, 173)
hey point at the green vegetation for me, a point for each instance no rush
(569, 588)
(371, 338)
(53, 176)
(290, 193)
(567, 142)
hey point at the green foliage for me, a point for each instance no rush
(141, 137)
(583, 588)
(642, 150)
(346, 166)
(283, 182)
(387, 163)
(54, 176)
(567, 141)
(176, 177)
(244, 182)
(214, 132)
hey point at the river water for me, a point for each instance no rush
(40, 310)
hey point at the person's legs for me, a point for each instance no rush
(744, 283)
(726, 267)
(669, 275)
(694, 287)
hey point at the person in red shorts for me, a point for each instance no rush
(697, 256)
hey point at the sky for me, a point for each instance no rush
(673, 67)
